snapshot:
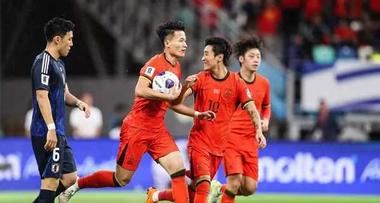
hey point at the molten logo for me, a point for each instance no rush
(304, 168)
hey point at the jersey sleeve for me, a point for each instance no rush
(41, 74)
(149, 71)
(266, 108)
(244, 94)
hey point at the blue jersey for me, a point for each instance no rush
(48, 74)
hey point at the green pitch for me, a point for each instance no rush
(139, 197)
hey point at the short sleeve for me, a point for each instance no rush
(266, 100)
(148, 71)
(40, 73)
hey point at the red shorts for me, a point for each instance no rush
(203, 163)
(241, 162)
(134, 142)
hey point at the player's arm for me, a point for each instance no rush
(144, 90)
(73, 101)
(266, 110)
(187, 111)
(45, 109)
(251, 109)
(189, 81)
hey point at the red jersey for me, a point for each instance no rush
(221, 96)
(146, 113)
(242, 129)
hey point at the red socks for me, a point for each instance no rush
(98, 179)
(166, 195)
(179, 188)
(201, 192)
(227, 196)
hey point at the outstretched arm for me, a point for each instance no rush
(187, 111)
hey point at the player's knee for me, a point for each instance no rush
(234, 186)
(70, 181)
(123, 181)
(250, 189)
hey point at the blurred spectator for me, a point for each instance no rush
(120, 110)
(312, 8)
(326, 126)
(291, 10)
(28, 121)
(316, 31)
(86, 127)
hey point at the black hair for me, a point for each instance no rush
(169, 28)
(57, 27)
(220, 46)
(245, 44)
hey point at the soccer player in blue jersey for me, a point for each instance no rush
(54, 157)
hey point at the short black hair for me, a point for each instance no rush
(57, 27)
(245, 44)
(169, 28)
(220, 46)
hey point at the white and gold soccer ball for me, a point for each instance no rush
(165, 81)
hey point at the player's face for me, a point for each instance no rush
(209, 59)
(177, 44)
(251, 60)
(65, 44)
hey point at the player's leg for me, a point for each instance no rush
(204, 166)
(165, 151)
(233, 167)
(248, 186)
(250, 174)
(128, 157)
(69, 169)
(49, 166)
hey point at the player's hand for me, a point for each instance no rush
(190, 80)
(206, 115)
(173, 94)
(265, 125)
(51, 140)
(84, 107)
(261, 140)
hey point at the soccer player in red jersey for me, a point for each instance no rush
(143, 130)
(241, 156)
(218, 90)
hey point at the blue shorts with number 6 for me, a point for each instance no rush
(52, 164)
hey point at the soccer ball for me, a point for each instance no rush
(165, 81)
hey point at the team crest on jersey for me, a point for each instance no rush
(55, 168)
(227, 94)
(216, 91)
(248, 93)
(149, 71)
(44, 79)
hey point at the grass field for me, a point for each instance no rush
(128, 197)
